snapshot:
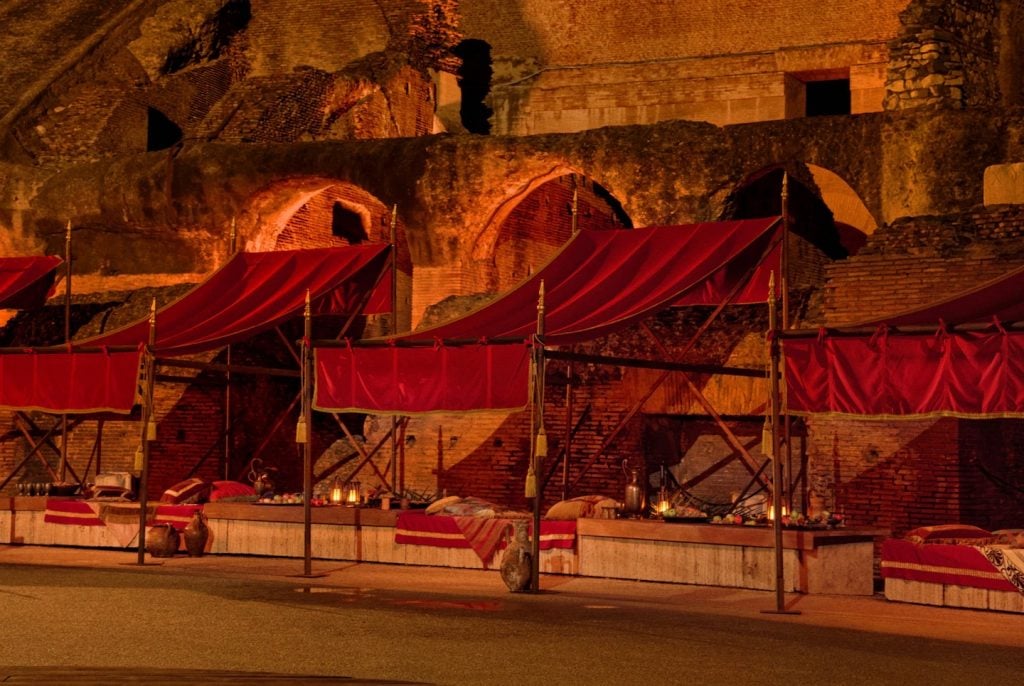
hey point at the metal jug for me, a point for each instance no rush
(636, 491)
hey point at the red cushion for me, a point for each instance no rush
(187, 491)
(948, 533)
(230, 489)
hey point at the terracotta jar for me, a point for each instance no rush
(516, 565)
(162, 540)
(196, 534)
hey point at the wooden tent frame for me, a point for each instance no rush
(535, 482)
(148, 378)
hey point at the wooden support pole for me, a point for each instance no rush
(538, 442)
(67, 341)
(228, 433)
(394, 331)
(776, 457)
(567, 445)
(307, 445)
(149, 363)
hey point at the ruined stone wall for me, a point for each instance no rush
(321, 34)
(947, 55)
(562, 66)
(913, 262)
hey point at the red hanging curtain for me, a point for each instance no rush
(70, 382)
(970, 374)
(396, 380)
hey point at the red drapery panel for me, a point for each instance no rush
(254, 292)
(602, 281)
(72, 383)
(26, 282)
(970, 374)
(395, 380)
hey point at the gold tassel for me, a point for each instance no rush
(531, 483)
(542, 444)
(151, 430)
(301, 430)
(138, 460)
(767, 448)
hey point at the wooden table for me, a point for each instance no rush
(835, 561)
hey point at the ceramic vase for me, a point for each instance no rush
(162, 540)
(516, 565)
(196, 534)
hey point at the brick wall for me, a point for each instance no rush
(541, 223)
(913, 262)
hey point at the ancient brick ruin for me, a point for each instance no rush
(154, 128)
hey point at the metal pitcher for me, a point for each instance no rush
(636, 491)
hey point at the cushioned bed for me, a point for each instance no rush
(977, 572)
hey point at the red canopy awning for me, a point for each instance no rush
(1000, 299)
(603, 281)
(600, 282)
(936, 373)
(26, 282)
(254, 292)
(251, 293)
(70, 382)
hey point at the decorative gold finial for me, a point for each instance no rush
(309, 310)
(785, 186)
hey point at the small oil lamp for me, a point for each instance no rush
(771, 512)
(352, 494)
(663, 504)
(337, 494)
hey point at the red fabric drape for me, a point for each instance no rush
(600, 282)
(414, 380)
(251, 293)
(254, 292)
(79, 382)
(26, 282)
(942, 374)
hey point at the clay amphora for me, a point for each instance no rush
(196, 534)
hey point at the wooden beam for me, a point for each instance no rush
(656, 364)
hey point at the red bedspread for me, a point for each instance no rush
(484, 535)
(938, 563)
(122, 518)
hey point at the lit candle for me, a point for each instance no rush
(337, 495)
(352, 495)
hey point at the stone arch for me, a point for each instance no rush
(302, 213)
(530, 226)
(813, 238)
(853, 221)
